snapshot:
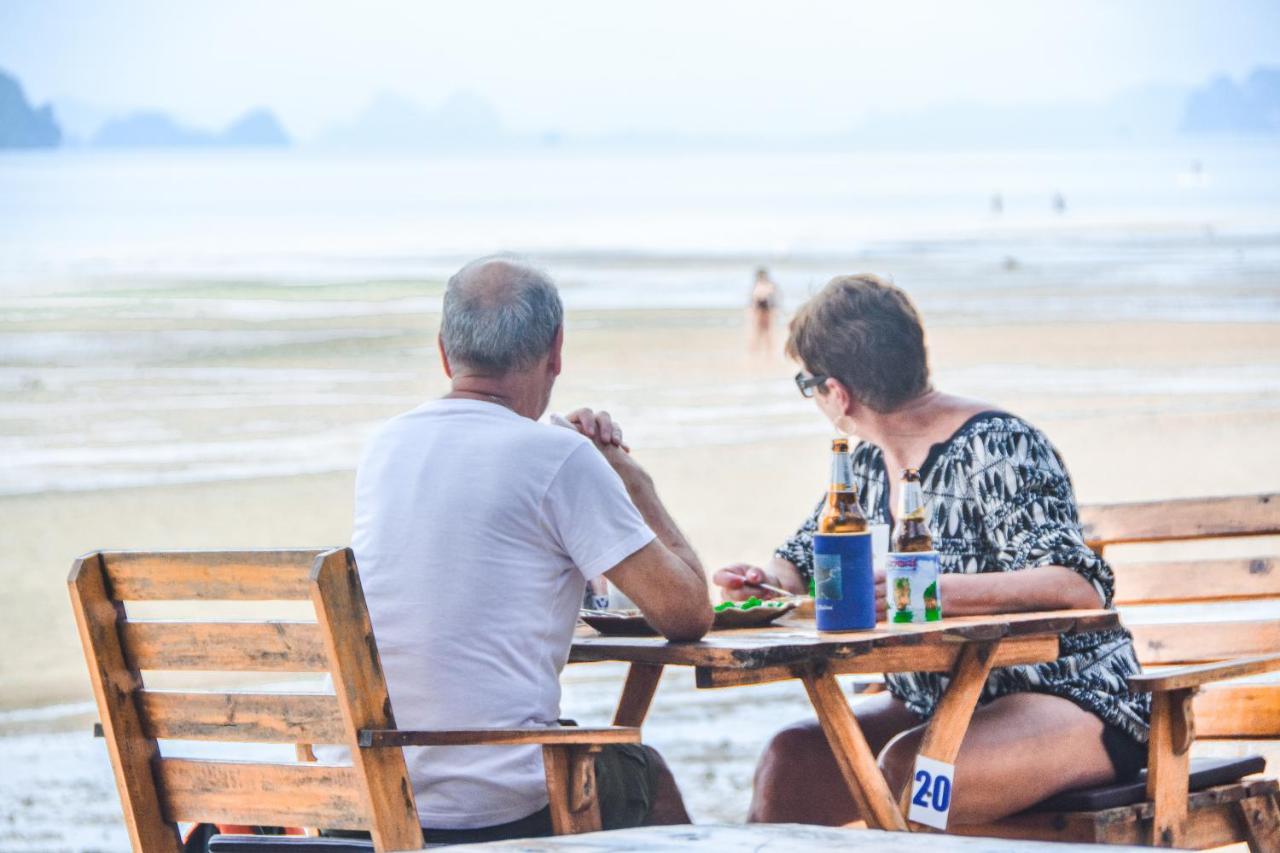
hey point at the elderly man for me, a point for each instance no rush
(476, 531)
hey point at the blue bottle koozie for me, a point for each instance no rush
(844, 583)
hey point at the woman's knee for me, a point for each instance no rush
(792, 750)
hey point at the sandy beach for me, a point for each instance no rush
(1139, 411)
(736, 496)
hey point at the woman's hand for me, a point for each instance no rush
(882, 600)
(739, 581)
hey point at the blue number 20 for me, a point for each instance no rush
(939, 792)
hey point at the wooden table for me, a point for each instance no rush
(967, 648)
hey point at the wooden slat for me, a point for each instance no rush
(114, 685)
(1194, 676)
(1191, 518)
(1195, 642)
(362, 694)
(225, 646)
(261, 794)
(209, 575)
(1197, 580)
(1245, 711)
(568, 735)
(253, 717)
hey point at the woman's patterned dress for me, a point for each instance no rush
(999, 499)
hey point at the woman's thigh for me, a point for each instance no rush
(1019, 749)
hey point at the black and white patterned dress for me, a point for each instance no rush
(999, 499)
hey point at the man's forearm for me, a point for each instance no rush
(643, 494)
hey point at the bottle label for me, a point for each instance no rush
(844, 582)
(911, 584)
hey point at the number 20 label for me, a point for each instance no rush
(931, 790)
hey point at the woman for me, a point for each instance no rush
(1003, 517)
(760, 307)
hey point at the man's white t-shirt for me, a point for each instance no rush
(476, 530)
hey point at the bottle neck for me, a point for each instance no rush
(911, 501)
(841, 472)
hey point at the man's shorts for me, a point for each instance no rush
(626, 784)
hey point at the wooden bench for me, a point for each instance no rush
(1184, 802)
(373, 793)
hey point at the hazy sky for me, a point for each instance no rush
(590, 67)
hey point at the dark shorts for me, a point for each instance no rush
(1128, 756)
(626, 784)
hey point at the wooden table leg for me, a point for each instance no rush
(951, 718)
(637, 694)
(853, 754)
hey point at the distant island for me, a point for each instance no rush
(1223, 106)
(464, 120)
(21, 124)
(155, 129)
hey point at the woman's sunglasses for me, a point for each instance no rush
(808, 384)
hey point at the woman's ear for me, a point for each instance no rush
(838, 395)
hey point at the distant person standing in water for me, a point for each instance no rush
(760, 308)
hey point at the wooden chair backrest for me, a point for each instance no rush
(1227, 711)
(157, 792)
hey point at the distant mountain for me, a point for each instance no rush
(392, 121)
(147, 129)
(1223, 106)
(255, 128)
(79, 119)
(155, 129)
(1150, 112)
(21, 124)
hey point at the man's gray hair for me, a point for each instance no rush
(500, 314)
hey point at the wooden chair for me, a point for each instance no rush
(1184, 802)
(372, 794)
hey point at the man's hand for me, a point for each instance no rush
(599, 427)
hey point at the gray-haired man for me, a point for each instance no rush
(476, 530)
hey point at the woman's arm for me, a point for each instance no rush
(1038, 588)
(1036, 555)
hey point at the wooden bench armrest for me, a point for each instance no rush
(1195, 676)
(563, 736)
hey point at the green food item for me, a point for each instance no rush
(745, 605)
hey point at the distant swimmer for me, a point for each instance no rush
(760, 308)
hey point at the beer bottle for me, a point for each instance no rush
(911, 534)
(844, 587)
(911, 570)
(842, 514)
